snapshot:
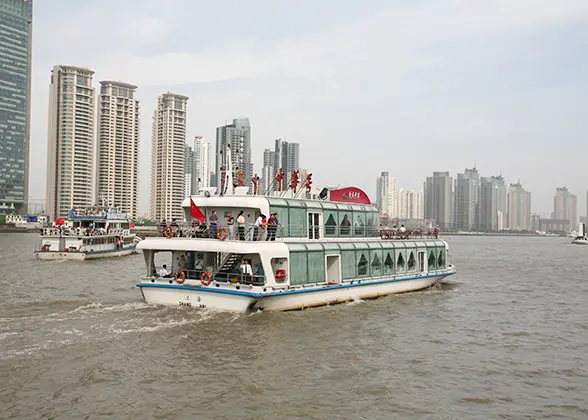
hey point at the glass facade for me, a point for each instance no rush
(364, 260)
(15, 33)
(338, 219)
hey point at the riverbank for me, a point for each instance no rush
(12, 229)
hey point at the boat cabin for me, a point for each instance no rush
(299, 219)
(290, 265)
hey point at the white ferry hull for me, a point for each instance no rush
(580, 241)
(81, 256)
(243, 301)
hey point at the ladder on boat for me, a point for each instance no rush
(229, 262)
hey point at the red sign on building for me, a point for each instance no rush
(349, 195)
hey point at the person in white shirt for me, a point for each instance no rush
(256, 227)
(241, 225)
(163, 271)
(246, 270)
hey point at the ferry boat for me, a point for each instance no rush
(326, 249)
(89, 233)
(581, 237)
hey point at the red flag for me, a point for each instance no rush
(196, 212)
(59, 222)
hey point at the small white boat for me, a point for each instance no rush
(581, 238)
(88, 234)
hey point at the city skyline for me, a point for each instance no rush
(490, 117)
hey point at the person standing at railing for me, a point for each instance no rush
(241, 225)
(246, 271)
(256, 227)
(272, 227)
(262, 228)
(213, 221)
(231, 225)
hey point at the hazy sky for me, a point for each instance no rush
(404, 86)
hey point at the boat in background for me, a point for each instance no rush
(90, 233)
(581, 238)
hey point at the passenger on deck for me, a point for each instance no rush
(163, 271)
(213, 221)
(231, 225)
(241, 225)
(256, 227)
(182, 263)
(246, 271)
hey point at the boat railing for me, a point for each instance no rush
(234, 278)
(69, 231)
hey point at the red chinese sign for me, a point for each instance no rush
(350, 195)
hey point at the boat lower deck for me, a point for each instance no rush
(84, 255)
(246, 298)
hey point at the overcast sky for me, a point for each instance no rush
(410, 87)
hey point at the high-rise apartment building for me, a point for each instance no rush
(410, 204)
(189, 171)
(385, 194)
(167, 157)
(117, 170)
(202, 164)
(16, 20)
(269, 171)
(519, 208)
(238, 137)
(565, 207)
(70, 149)
(467, 200)
(287, 157)
(493, 204)
(438, 198)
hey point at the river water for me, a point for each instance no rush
(506, 338)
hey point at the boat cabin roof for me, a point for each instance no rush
(263, 203)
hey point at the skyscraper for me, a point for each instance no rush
(268, 170)
(519, 208)
(189, 171)
(410, 204)
(117, 171)
(168, 149)
(202, 164)
(16, 21)
(438, 198)
(385, 194)
(70, 149)
(565, 207)
(287, 157)
(467, 200)
(493, 207)
(238, 137)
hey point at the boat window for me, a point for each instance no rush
(283, 219)
(376, 263)
(314, 228)
(359, 220)
(411, 261)
(316, 267)
(400, 262)
(432, 260)
(344, 223)
(297, 220)
(441, 259)
(298, 268)
(388, 263)
(330, 224)
(348, 264)
(362, 265)
(372, 223)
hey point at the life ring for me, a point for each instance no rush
(168, 232)
(180, 276)
(223, 233)
(206, 278)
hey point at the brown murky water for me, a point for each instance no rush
(506, 338)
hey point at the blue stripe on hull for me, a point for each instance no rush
(292, 292)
